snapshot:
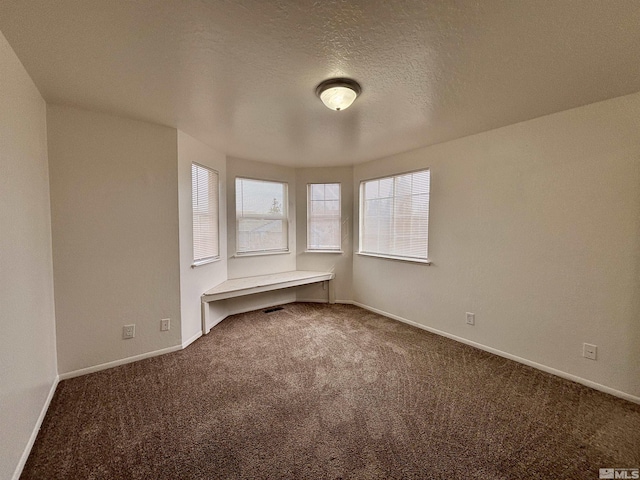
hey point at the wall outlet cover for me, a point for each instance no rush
(471, 318)
(590, 351)
(129, 331)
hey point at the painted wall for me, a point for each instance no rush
(195, 281)
(340, 263)
(535, 227)
(27, 345)
(114, 209)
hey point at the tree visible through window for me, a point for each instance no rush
(394, 215)
(261, 216)
(323, 217)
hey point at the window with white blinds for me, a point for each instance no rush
(261, 216)
(394, 216)
(323, 217)
(204, 200)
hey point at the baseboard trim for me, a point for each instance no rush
(36, 429)
(117, 363)
(311, 300)
(538, 366)
(189, 341)
(320, 300)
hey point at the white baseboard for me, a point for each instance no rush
(539, 366)
(36, 429)
(311, 300)
(189, 341)
(116, 363)
(320, 300)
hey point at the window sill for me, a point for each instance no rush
(199, 263)
(259, 254)
(324, 251)
(400, 259)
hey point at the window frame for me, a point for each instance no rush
(337, 249)
(211, 258)
(405, 258)
(285, 219)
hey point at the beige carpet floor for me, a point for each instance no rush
(330, 392)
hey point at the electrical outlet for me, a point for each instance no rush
(589, 351)
(471, 318)
(165, 324)
(129, 331)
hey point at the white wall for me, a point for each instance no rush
(27, 345)
(339, 263)
(535, 227)
(195, 281)
(114, 204)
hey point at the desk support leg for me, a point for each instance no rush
(331, 295)
(205, 316)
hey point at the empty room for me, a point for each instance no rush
(319, 240)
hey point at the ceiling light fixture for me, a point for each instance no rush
(338, 93)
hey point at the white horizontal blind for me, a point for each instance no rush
(261, 216)
(323, 216)
(394, 215)
(204, 192)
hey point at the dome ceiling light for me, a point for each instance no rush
(338, 93)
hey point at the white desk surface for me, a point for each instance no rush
(247, 283)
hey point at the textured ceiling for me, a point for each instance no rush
(240, 75)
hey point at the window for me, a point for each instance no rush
(261, 216)
(394, 216)
(323, 217)
(204, 200)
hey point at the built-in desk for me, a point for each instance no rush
(239, 287)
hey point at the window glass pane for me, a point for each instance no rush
(332, 207)
(385, 187)
(371, 189)
(394, 215)
(403, 185)
(332, 191)
(420, 181)
(259, 197)
(261, 212)
(323, 216)
(317, 191)
(317, 207)
(260, 234)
